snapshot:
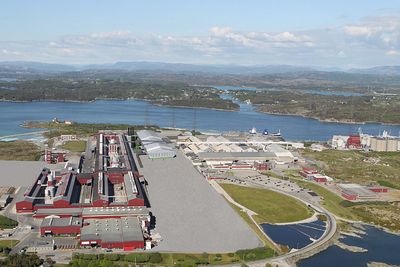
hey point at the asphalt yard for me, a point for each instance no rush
(22, 173)
(190, 215)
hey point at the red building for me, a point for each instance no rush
(61, 226)
(107, 176)
(378, 189)
(353, 141)
(114, 233)
(308, 172)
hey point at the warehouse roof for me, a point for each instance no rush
(236, 155)
(146, 136)
(114, 211)
(112, 230)
(61, 222)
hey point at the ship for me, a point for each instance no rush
(278, 134)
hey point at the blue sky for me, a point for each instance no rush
(322, 33)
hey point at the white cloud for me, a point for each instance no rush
(363, 43)
(393, 53)
(381, 31)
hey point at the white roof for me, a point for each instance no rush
(146, 135)
(157, 146)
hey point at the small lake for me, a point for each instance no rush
(295, 235)
(382, 247)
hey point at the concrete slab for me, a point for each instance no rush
(190, 215)
(22, 173)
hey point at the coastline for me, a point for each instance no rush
(326, 120)
(114, 99)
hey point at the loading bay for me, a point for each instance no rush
(190, 215)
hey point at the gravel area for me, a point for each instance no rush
(190, 215)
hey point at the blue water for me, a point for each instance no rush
(295, 235)
(382, 247)
(310, 91)
(133, 112)
(234, 88)
(337, 93)
(10, 80)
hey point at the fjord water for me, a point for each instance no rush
(381, 246)
(13, 114)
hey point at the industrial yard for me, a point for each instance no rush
(187, 208)
(159, 190)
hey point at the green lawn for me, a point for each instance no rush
(7, 222)
(270, 206)
(19, 150)
(171, 259)
(8, 243)
(74, 146)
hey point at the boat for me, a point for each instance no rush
(253, 130)
(277, 134)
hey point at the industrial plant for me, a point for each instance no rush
(103, 200)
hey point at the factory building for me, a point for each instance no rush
(385, 144)
(115, 233)
(355, 192)
(107, 176)
(60, 226)
(154, 145)
(220, 158)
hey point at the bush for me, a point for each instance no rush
(155, 258)
(112, 257)
(137, 257)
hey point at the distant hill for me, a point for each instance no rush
(380, 70)
(34, 67)
(183, 68)
(27, 67)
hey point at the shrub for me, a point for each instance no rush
(155, 258)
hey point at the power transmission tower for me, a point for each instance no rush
(146, 116)
(194, 120)
(173, 118)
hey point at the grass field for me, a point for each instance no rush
(74, 146)
(84, 129)
(172, 259)
(8, 243)
(270, 206)
(7, 222)
(359, 167)
(19, 150)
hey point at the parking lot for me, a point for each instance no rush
(268, 182)
(190, 215)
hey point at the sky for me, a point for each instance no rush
(340, 34)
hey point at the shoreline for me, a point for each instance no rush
(327, 120)
(114, 99)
